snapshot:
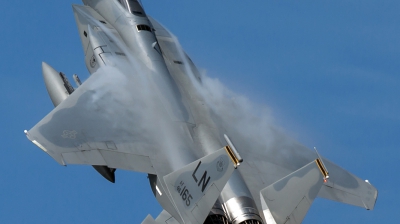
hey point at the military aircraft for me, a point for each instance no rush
(144, 109)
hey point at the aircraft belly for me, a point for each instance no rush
(169, 93)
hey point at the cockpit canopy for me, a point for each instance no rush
(133, 6)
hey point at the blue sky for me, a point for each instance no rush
(327, 69)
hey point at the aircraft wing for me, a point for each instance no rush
(103, 122)
(116, 118)
(97, 125)
(264, 164)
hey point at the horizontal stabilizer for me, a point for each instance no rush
(288, 199)
(163, 218)
(195, 188)
(149, 220)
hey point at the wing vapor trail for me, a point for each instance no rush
(247, 122)
(153, 121)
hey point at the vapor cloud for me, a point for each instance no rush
(250, 125)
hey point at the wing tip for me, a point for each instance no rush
(370, 204)
(26, 132)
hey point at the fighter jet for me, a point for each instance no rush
(143, 109)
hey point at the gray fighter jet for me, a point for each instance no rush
(143, 109)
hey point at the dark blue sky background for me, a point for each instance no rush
(328, 70)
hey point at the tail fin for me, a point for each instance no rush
(288, 199)
(195, 188)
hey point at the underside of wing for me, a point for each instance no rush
(116, 118)
(98, 124)
(112, 119)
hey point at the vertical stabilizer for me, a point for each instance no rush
(195, 188)
(288, 199)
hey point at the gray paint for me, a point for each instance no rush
(103, 123)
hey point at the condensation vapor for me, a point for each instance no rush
(250, 125)
(137, 107)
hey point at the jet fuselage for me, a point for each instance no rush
(137, 32)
